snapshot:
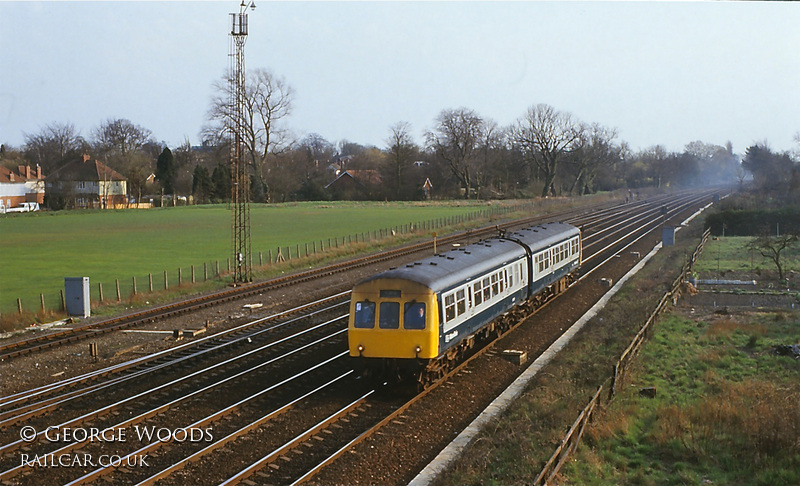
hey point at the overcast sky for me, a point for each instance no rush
(661, 73)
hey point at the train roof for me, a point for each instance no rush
(449, 269)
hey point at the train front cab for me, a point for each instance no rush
(393, 318)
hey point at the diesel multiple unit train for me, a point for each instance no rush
(422, 318)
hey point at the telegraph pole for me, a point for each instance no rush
(240, 180)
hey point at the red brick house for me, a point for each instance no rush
(86, 183)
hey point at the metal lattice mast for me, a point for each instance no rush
(240, 180)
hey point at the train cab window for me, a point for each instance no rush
(389, 317)
(365, 315)
(414, 315)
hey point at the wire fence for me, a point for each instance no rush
(138, 287)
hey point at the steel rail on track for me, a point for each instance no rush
(29, 394)
(164, 407)
(110, 408)
(218, 415)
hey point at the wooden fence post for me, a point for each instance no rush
(134, 285)
(41, 296)
(166, 281)
(119, 296)
(100, 289)
(150, 279)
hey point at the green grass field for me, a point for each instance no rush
(38, 250)
(731, 255)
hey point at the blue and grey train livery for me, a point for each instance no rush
(425, 314)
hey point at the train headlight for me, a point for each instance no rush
(418, 350)
(360, 349)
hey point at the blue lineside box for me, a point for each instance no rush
(76, 296)
(668, 235)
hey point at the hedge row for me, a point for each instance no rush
(755, 222)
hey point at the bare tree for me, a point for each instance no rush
(400, 150)
(455, 140)
(268, 101)
(594, 150)
(120, 138)
(52, 144)
(545, 136)
(771, 247)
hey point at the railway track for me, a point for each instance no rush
(243, 385)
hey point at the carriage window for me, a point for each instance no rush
(461, 301)
(487, 290)
(511, 272)
(495, 289)
(414, 315)
(389, 316)
(501, 277)
(449, 307)
(478, 293)
(365, 315)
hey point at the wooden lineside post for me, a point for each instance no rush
(41, 296)
(100, 290)
(180, 277)
(193, 274)
(119, 296)
(205, 271)
(150, 279)
(19, 305)
(166, 280)
(134, 285)
(63, 301)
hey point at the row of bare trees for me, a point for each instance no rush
(544, 152)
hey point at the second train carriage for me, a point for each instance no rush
(419, 316)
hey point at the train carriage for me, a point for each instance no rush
(423, 315)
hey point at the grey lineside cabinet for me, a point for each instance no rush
(76, 296)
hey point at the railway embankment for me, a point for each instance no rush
(517, 445)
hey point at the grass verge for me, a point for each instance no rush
(727, 409)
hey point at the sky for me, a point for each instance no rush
(665, 73)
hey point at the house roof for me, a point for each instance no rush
(7, 175)
(361, 177)
(86, 170)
